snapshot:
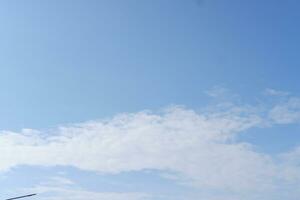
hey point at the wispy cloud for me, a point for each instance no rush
(57, 188)
(273, 92)
(221, 93)
(286, 112)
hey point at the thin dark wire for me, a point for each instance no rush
(29, 195)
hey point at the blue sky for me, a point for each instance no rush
(121, 76)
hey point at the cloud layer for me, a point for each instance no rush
(196, 149)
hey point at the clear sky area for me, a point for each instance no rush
(150, 100)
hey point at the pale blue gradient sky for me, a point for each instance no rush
(71, 61)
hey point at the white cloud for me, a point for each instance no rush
(273, 92)
(178, 140)
(198, 149)
(292, 158)
(287, 112)
(71, 194)
(217, 91)
(56, 189)
(60, 181)
(221, 93)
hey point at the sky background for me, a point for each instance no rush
(147, 94)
